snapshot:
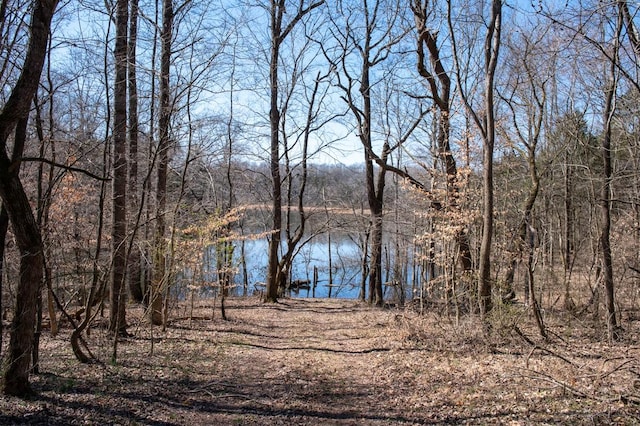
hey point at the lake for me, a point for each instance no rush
(346, 269)
(315, 254)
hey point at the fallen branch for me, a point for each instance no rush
(565, 386)
(540, 348)
(619, 367)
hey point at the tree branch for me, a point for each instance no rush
(62, 166)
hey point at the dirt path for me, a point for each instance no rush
(328, 362)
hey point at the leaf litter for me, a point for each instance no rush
(332, 362)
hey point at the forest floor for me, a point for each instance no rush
(336, 362)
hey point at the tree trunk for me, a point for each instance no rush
(28, 297)
(605, 201)
(4, 227)
(245, 271)
(440, 86)
(533, 301)
(273, 272)
(27, 233)
(16, 202)
(568, 233)
(485, 284)
(377, 232)
(492, 46)
(520, 240)
(375, 194)
(374, 186)
(159, 282)
(364, 264)
(375, 264)
(117, 320)
(135, 256)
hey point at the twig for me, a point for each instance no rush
(563, 385)
(608, 373)
(541, 348)
(558, 336)
(229, 395)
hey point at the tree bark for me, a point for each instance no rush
(364, 241)
(27, 233)
(440, 85)
(16, 202)
(273, 273)
(374, 187)
(117, 320)
(4, 227)
(492, 47)
(605, 195)
(375, 192)
(568, 232)
(135, 255)
(159, 281)
(375, 196)
(278, 34)
(529, 138)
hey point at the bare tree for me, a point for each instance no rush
(610, 95)
(365, 35)
(16, 202)
(525, 94)
(280, 30)
(296, 181)
(159, 274)
(431, 68)
(485, 121)
(134, 258)
(632, 28)
(117, 312)
(602, 28)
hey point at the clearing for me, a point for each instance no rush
(336, 362)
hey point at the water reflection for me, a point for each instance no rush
(249, 276)
(345, 258)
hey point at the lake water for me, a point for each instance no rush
(315, 254)
(345, 255)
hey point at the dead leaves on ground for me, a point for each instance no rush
(335, 362)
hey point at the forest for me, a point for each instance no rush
(417, 165)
